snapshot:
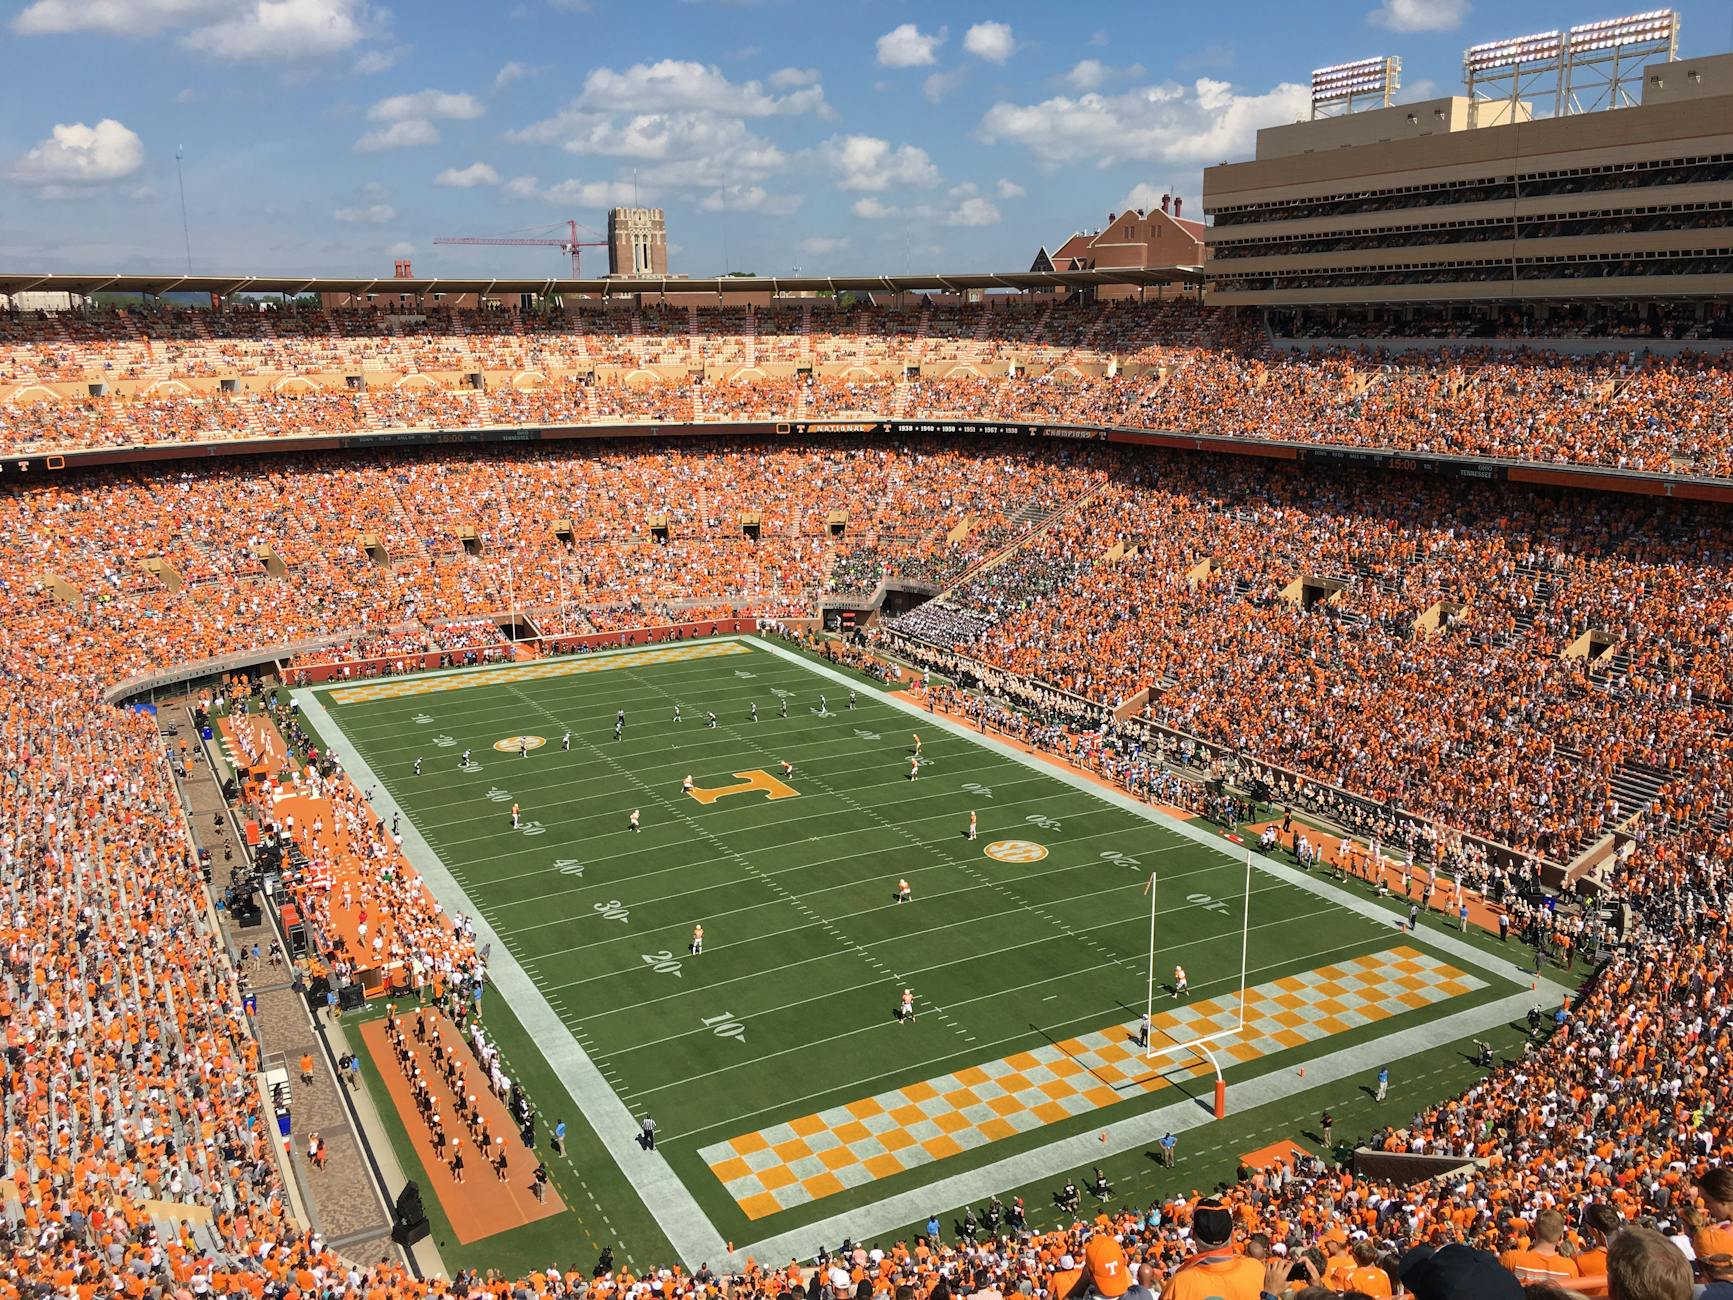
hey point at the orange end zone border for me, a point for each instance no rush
(1285, 1152)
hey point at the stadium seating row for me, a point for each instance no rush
(1171, 365)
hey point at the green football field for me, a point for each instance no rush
(790, 1100)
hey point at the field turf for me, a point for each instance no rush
(789, 1011)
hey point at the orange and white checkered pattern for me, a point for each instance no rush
(819, 1155)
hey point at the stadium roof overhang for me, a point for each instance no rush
(298, 284)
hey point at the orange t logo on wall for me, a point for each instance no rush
(756, 779)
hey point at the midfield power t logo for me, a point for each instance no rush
(755, 779)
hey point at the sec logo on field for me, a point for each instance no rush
(517, 744)
(1015, 851)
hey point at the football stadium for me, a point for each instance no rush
(1201, 768)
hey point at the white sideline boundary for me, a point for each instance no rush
(695, 1239)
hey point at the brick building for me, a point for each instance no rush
(1133, 239)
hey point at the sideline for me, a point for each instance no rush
(674, 1208)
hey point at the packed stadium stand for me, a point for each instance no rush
(113, 379)
(1502, 677)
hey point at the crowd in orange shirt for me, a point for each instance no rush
(1485, 725)
(1171, 364)
(125, 1078)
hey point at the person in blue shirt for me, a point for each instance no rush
(1383, 1083)
(933, 1228)
(560, 1138)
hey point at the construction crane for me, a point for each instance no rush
(570, 244)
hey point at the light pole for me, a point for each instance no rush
(186, 230)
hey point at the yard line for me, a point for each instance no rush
(752, 907)
(947, 893)
(618, 883)
(653, 788)
(1093, 1019)
(946, 965)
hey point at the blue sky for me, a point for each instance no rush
(329, 136)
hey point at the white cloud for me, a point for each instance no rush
(973, 211)
(793, 78)
(990, 41)
(1087, 75)
(1205, 122)
(1147, 198)
(864, 162)
(587, 194)
(376, 61)
(908, 46)
(402, 248)
(187, 96)
(1419, 15)
(284, 31)
(1092, 74)
(963, 207)
(76, 154)
(374, 214)
(278, 30)
(467, 178)
(442, 104)
(409, 119)
(824, 243)
(940, 84)
(399, 135)
(750, 198)
(510, 72)
(686, 120)
(1009, 189)
(684, 149)
(672, 84)
(116, 17)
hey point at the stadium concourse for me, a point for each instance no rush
(127, 378)
(1496, 678)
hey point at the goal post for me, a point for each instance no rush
(1201, 1045)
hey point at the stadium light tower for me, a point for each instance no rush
(1351, 87)
(1591, 67)
(1604, 59)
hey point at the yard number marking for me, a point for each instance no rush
(568, 866)
(663, 963)
(1042, 820)
(422, 719)
(975, 787)
(1119, 859)
(726, 1026)
(1206, 902)
(612, 911)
